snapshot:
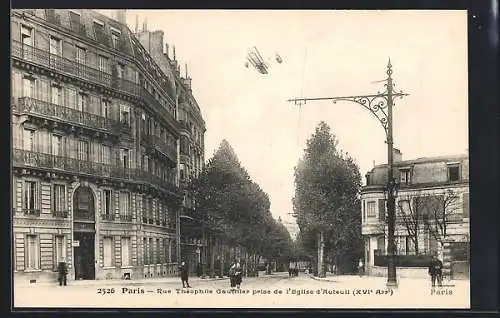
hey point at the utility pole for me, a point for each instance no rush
(380, 105)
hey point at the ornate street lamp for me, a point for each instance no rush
(380, 105)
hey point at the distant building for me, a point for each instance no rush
(432, 192)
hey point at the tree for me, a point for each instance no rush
(423, 213)
(327, 184)
(237, 208)
(441, 210)
(410, 214)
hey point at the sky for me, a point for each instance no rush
(325, 53)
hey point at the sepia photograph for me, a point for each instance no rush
(240, 159)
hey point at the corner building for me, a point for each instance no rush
(95, 153)
(420, 182)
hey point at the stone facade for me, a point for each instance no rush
(95, 134)
(444, 180)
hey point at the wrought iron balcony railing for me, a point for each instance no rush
(108, 217)
(31, 212)
(36, 106)
(160, 145)
(61, 64)
(61, 214)
(126, 217)
(48, 161)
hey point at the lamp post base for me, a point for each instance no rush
(392, 284)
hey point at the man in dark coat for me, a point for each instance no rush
(436, 271)
(62, 273)
(184, 275)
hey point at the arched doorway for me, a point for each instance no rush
(84, 233)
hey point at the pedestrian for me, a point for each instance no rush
(62, 273)
(436, 271)
(238, 274)
(232, 272)
(184, 275)
(360, 267)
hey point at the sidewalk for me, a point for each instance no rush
(132, 282)
(381, 281)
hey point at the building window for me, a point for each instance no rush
(32, 253)
(371, 209)
(59, 249)
(81, 103)
(107, 206)
(29, 139)
(125, 205)
(151, 252)
(103, 64)
(74, 19)
(59, 196)
(124, 157)
(119, 70)
(55, 46)
(405, 176)
(465, 199)
(99, 32)
(56, 92)
(56, 145)
(115, 39)
(30, 197)
(26, 35)
(108, 252)
(81, 55)
(381, 209)
(158, 252)
(125, 115)
(126, 255)
(83, 150)
(105, 154)
(145, 251)
(105, 108)
(453, 173)
(29, 87)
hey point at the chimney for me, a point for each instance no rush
(120, 16)
(145, 25)
(397, 155)
(166, 50)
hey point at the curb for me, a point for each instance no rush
(323, 279)
(114, 282)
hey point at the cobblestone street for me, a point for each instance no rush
(277, 290)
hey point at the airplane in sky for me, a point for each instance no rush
(255, 59)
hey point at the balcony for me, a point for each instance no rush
(70, 115)
(164, 148)
(25, 158)
(59, 63)
(31, 212)
(184, 125)
(61, 214)
(64, 65)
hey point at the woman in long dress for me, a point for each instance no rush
(232, 271)
(238, 273)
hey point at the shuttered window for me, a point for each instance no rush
(32, 249)
(108, 252)
(125, 250)
(59, 197)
